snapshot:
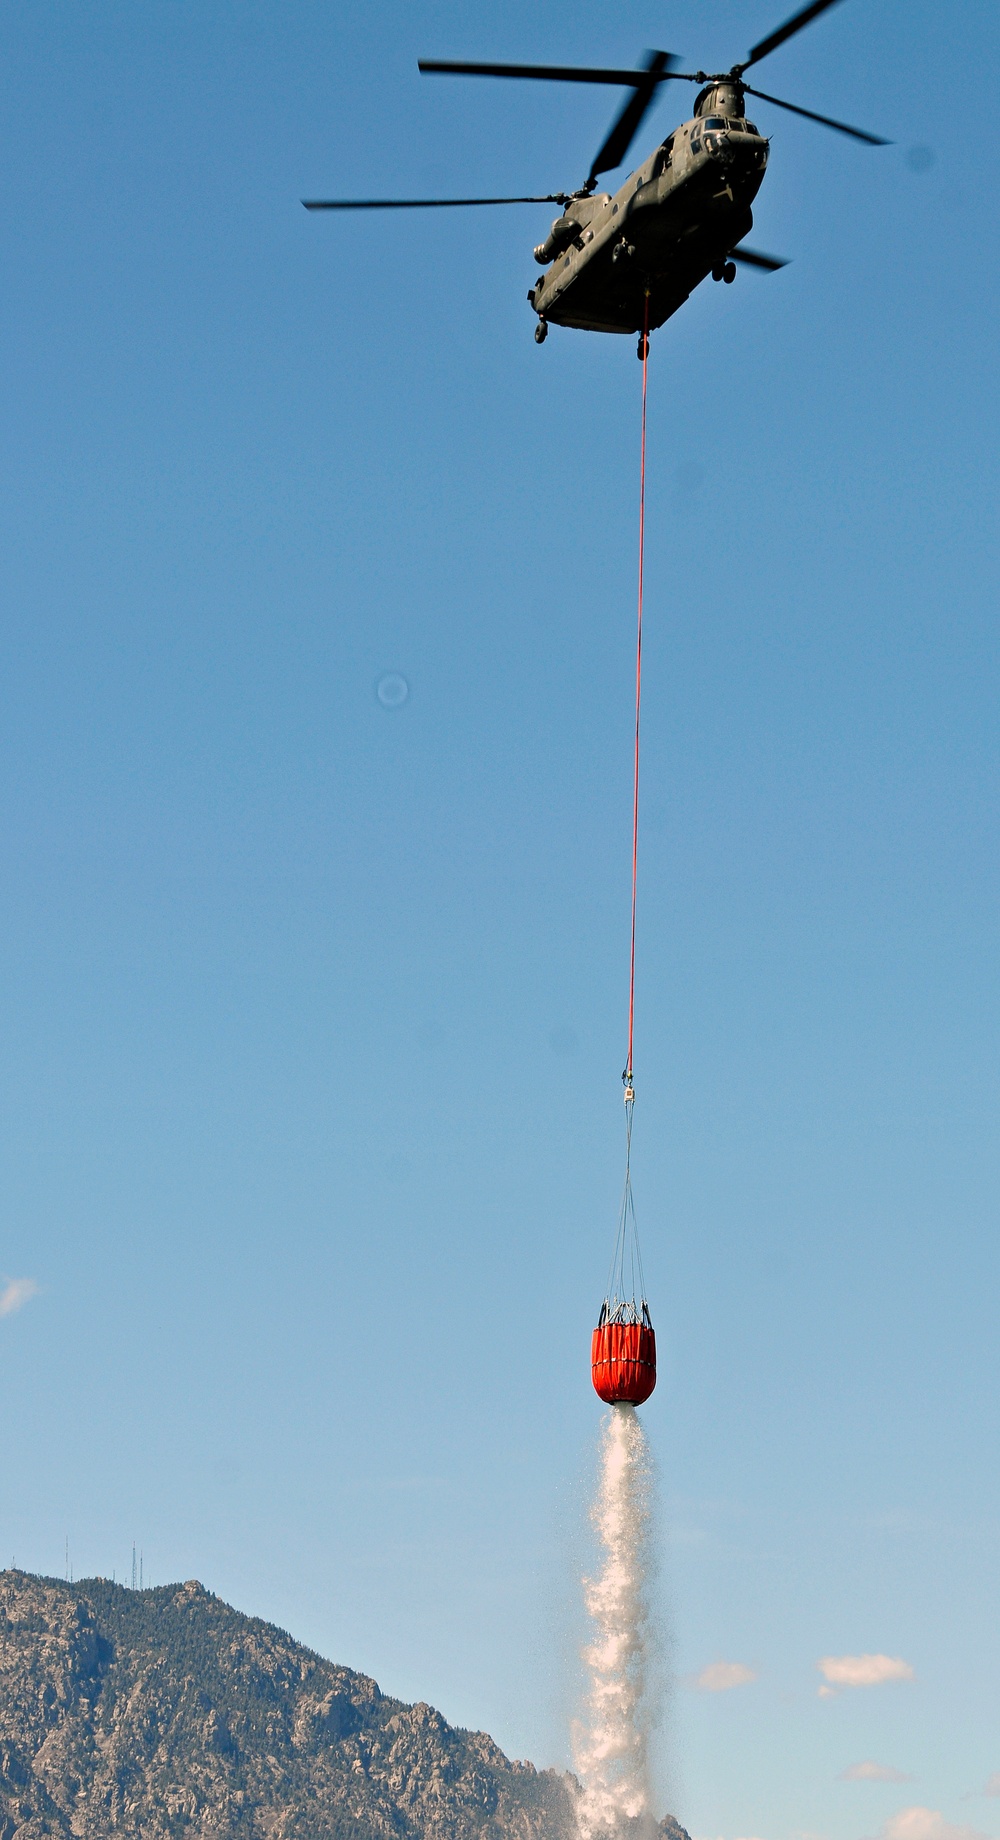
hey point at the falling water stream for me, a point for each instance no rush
(611, 1743)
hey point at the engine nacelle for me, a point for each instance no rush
(563, 233)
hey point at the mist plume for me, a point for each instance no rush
(611, 1744)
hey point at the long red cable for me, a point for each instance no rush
(638, 692)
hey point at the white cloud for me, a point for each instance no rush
(15, 1294)
(870, 1771)
(720, 1676)
(993, 1786)
(862, 1671)
(926, 1824)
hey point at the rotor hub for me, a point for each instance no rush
(720, 96)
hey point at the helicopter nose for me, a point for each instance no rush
(736, 150)
(721, 148)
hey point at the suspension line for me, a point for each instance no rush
(627, 1075)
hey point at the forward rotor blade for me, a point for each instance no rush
(420, 204)
(550, 73)
(626, 125)
(754, 258)
(788, 30)
(826, 121)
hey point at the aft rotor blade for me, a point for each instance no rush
(802, 18)
(550, 73)
(754, 258)
(420, 204)
(826, 121)
(626, 125)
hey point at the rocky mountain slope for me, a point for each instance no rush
(164, 1713)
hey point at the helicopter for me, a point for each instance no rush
(626, 262)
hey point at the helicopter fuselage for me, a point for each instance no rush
(626, 261)
(675, 221)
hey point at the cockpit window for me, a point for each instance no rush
(751, 129)
(714, 121)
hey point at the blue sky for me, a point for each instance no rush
(314, 1008)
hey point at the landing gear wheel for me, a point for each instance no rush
(729, 272)
(541, 332)
(642, 349)
(717, 272)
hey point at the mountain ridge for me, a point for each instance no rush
(160, 1713)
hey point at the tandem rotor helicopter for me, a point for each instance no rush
(625, 263)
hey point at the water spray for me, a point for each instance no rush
(611, 1745)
